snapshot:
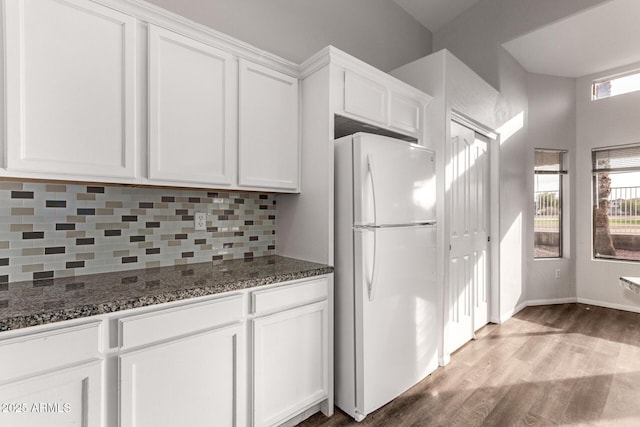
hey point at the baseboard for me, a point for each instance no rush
(552, 301)
(301, 416)
(623, 307)
(509, 314)
(568, 300)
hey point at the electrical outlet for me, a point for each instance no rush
(200, 220)
(557, 273)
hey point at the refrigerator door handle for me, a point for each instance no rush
(373, 187)
(372, 283)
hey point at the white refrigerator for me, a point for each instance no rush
(386, 310)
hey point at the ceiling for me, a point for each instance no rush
(435, 14)
(598, 39)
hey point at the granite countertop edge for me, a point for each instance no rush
(192, 289)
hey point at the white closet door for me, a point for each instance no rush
(191, 118)
(468, 199)
(70, 73)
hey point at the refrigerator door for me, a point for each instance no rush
(394, 181)
(396, 336)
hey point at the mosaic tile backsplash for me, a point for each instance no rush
(59, 230)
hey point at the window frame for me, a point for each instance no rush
(562, 170)
(612, 78)
(594, 193)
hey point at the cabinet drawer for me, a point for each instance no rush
(282, 297)
(167, 323)
(42, 351)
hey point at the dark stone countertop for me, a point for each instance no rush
(39, 302)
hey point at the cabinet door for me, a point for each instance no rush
(290, 362)
(196, 381)
(365, 98)
(191, 118)
(70, 397)
(405, 114)
(70, 71)
(268, 128)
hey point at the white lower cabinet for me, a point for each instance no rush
(69, 397)
(53, 377)
(290, 362)
(193, 382)
(179, 364)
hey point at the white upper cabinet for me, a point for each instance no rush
(383, 102)
(367, 95)
(365, 98)
(70, 72)
(405, 113)
(88, 99)
(268, 128)
(191, 110)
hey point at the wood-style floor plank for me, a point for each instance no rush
(569, 364)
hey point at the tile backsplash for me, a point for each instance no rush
(58, 230)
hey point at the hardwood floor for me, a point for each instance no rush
(569, 364)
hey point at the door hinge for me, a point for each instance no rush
(449, 247)
(488, 238)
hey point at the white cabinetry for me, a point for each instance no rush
(341, 95)
(80, 88)
(182, 363)
(69, 98)
(365, 98)
(52, 378)
(192, 382)
(187, 366)
(290, 351)
(268, 128)
(191, 110)
(405, 114)
(381, 102)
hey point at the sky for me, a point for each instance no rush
(627, 179)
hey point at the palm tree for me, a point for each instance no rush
(602, 242)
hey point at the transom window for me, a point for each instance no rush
(549, 169)
(614, 86)
(616, 203)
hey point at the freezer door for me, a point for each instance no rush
(394, 181)
(396, 312)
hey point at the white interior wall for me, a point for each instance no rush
(454, 86)
(514, 198)
(605, 122)
(378, 32)
(476, 37)
(552, 125)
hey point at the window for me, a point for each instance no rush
(615, 86)
(547, 227)
(616, 203)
